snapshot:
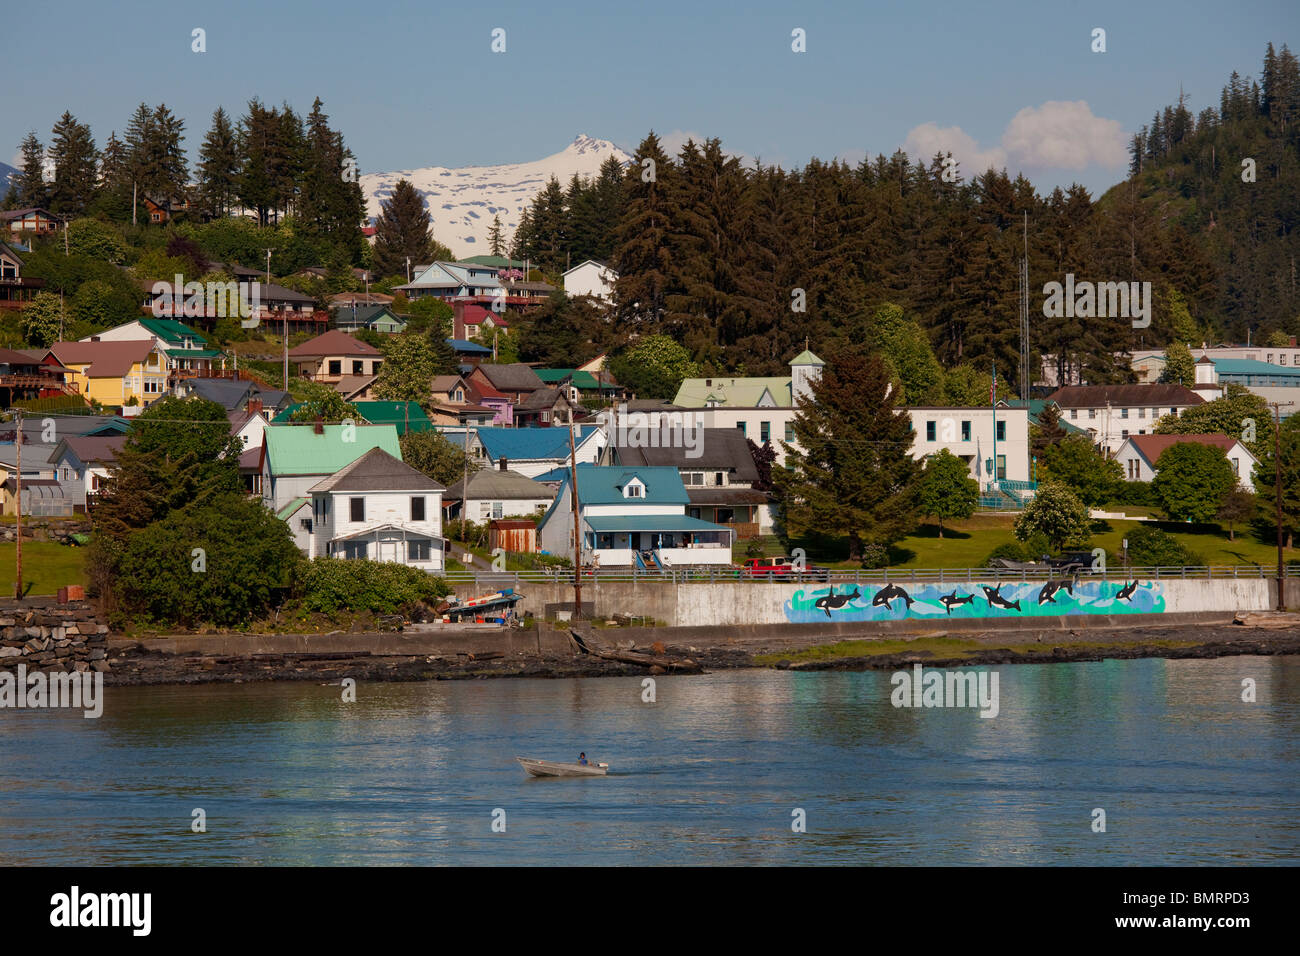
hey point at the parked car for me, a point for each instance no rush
(774, 568)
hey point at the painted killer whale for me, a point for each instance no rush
(888, 593)
(1048, 594)
(1126, 592)
(997, 600)
(835, 601)
(949, 601)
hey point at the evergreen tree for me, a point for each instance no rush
(853, 474)
(73, 154)
(30, 181)
(404, 230)
(496, 237)
(642, 257)
(218, 167)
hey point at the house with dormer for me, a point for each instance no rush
(632, 517)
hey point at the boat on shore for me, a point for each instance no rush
(550, 768)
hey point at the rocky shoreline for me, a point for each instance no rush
(133, 664)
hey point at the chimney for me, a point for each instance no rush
(254, 406)
(319, 426)
(505, 463)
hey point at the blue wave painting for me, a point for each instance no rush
(894, 602)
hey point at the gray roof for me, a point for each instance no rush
(226, 392)
(718, 448)
(543, 398)
(516, 377)
(494, 483)
(377, 470)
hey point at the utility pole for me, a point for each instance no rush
(17, 471)
(1277, 493)
(577, 533)
(408, 270)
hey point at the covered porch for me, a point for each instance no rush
(663, 541)
(391, 544)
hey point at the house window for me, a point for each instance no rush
(1132, 469)
(1124, 433)
(717, 479)
(305, 524)
(1236, 466)
(336, 366)
(1074, 413)
(929, 431)
(1092, 413)
(789, 431)
(374, 367)
(1281, 359)
(460, 395)
(1123, 413)
(764, 431)
(1001, 431)
(632, 491)
(484, 509)
(965, 431)
(357, 508)
(741, 427)
(355, 550)
(1002, 467)
(358, 368)
(417, 550)
(497, 511)
(417, 508)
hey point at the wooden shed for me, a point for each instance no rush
(513, 534)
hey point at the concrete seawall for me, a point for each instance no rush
(729, 604)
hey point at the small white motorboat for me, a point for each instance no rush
(549, 768)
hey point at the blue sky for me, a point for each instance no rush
(416, 84)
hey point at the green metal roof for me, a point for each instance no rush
(607, 524)
(171, 331)
(400, 414)
(287, 512)
(604, 484)
(733, 392)
(192, 353)
(299, 450)
(806, 358)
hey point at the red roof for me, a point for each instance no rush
(1151, 447)
(1097, 396)
(332, 342)
(104, 359)
(480, 388)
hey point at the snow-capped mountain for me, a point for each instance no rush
(463, 201)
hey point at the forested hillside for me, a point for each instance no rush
(722, 256)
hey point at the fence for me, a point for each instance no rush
(498, 579)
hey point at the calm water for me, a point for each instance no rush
(411, 773)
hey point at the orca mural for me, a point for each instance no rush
(894, 602)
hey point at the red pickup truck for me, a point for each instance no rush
(779, 568)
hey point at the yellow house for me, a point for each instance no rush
(114, 373)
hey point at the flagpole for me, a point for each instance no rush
(993, 401)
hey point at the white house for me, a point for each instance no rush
(1139, 454)
(994, 443)
(381, 509)
(82, 464)
(295, 457)
(760, 408)
(591, 278)
(632, 517)
(1110, 413)
(497, 493)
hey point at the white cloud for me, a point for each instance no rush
(929, 138)
(1064, 135)
(672, 144)
(1057, 135)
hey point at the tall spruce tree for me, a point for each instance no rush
(853, 474)
(31, 188)
(404, 230)
(73, 155)
(642, 256)
(218, 167)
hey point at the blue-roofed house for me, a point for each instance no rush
(632, 517)
(533, 451)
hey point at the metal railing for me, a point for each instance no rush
(491, 580)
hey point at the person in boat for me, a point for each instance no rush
(582, 759)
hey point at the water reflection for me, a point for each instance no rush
(709, 773)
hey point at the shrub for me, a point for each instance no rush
(1150, 547)
(328, 585)
(875, 555)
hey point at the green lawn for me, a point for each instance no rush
(966, 544)
(46, 567)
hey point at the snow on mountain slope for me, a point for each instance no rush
(463, 201)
